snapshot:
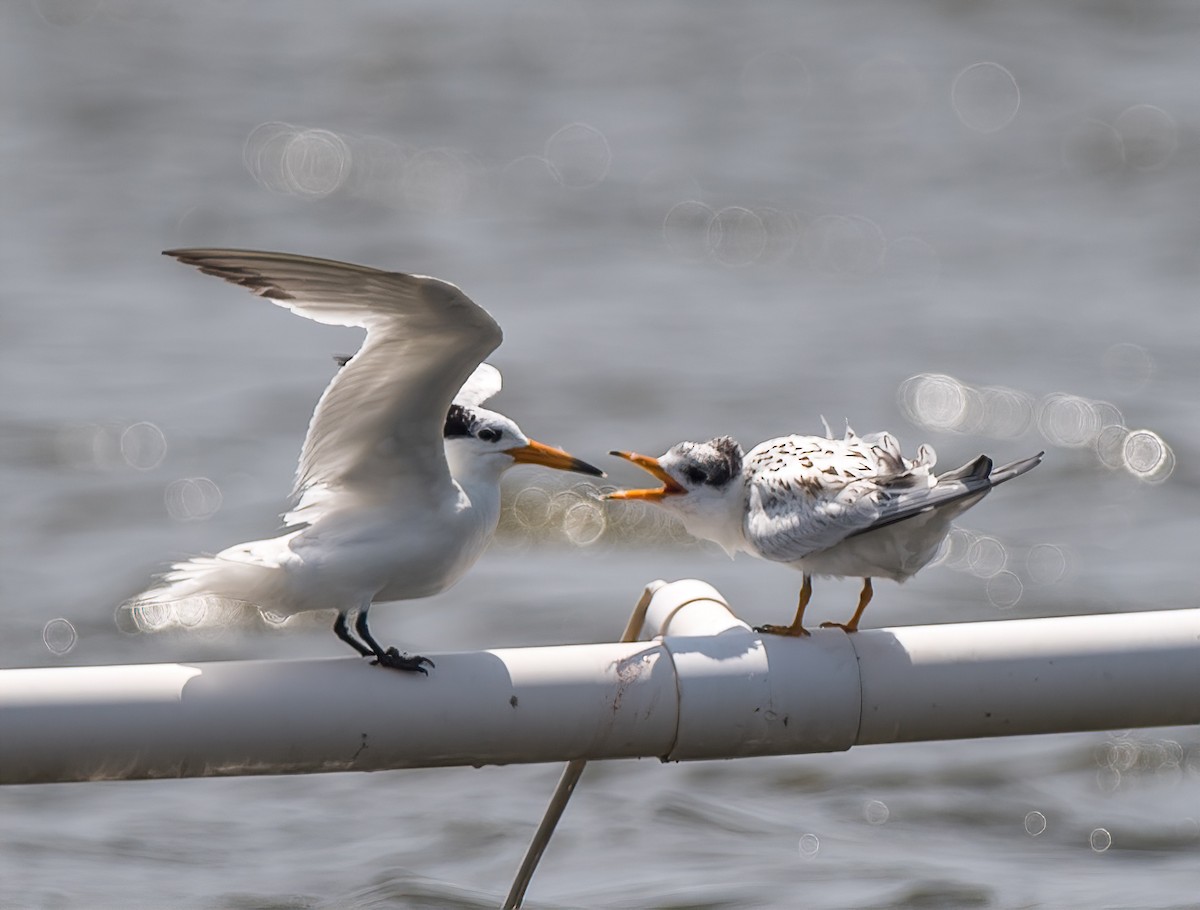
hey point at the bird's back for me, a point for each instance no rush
(856, 506)
(807, 493)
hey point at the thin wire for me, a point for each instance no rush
(566, 783)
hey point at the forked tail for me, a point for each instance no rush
(1015, 469)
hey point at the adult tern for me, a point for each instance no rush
(397, 491)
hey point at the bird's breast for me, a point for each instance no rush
(431, 553)
(389, 553)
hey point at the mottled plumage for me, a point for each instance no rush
(807, 493)
(839, 507)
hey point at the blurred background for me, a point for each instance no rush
(972, 224)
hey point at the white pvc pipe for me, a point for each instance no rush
(743, 694)
(1100, 672)
(711, 689)
(280, 717)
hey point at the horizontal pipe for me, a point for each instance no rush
(708, 688)
(341, 714)
(742, 694)
(1051, 675)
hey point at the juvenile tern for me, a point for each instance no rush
(837, 507)
(397, 491)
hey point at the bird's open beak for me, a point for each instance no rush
(550, 457)
(646, 463)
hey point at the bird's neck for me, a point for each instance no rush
(480, 490)
(720, 520)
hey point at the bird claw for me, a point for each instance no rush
(845, 627)
(394, 660)
(788, 631)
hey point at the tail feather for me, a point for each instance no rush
(1015, 469)
(199, 592)
(955, 490)
(247, 573)
(971, 473)
(198, 577)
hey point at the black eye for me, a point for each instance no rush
(695, 475)
(489, 434)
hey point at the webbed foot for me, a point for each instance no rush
(844, 626)
(789, 631)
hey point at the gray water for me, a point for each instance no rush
(972, 224)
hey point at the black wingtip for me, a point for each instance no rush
(215, 263)
(980, 469)
(187, 257)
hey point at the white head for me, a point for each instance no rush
(702, 485)
(484, 444)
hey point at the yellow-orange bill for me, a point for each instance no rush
(550, 457)
(646, 463)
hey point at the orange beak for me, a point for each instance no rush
(646, 463)
(550, 457)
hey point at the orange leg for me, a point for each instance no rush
(864, 598)
(797, 627)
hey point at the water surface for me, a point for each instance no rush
(974, 225)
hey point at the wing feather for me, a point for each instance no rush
(479, 387)
(960, 489)
(381, 417)
(808, 493)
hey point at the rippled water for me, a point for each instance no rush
(974, 225)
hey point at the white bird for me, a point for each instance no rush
(397, 491)
(838, 507)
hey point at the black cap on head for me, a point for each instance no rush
(458, 422)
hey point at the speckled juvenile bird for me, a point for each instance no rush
(852, 507)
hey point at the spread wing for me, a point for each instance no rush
(379, 422)
(808, 493)
(479, 387)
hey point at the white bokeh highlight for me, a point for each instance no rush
(579, 155)
(192, 499)
(59, 637)
(985, 96)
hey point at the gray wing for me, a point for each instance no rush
(382, 416)
(808, 493)
(962, 487)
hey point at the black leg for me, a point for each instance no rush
(340, 630)
(389, 657)
(360, 626)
